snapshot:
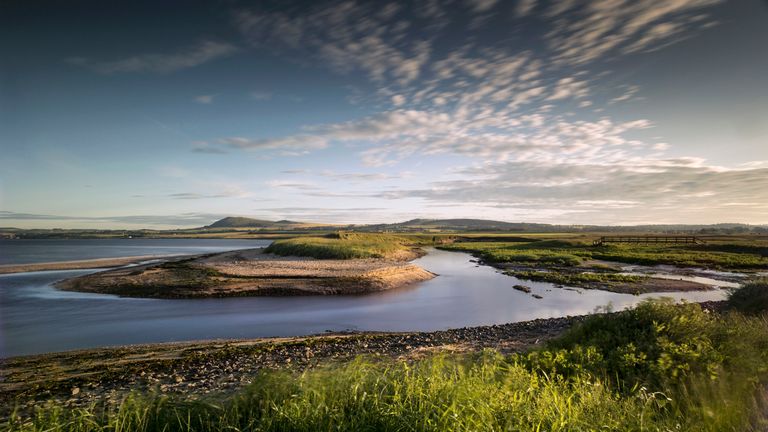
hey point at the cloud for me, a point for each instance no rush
(532, 120)
(192, 195)
(481, 5)
(569, 88)
(261, 95)
(346, 36)
(302, 142)
(588, 30)
(197, 55)
(630, 92)
(489, 100)
(206, 148)
(360, 176)
(524, 7)
(183, 219)
(172, 171)
(204, 99)
(299, 186)
(671, 190)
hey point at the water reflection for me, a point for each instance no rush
(35, 318)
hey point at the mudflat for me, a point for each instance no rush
(78, 264)
(249, 272)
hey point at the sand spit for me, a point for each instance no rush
(249, 272)
(79, 264)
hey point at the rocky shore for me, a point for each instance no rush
(195, 369)
(249, 272)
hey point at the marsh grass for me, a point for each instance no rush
(545, 252)
(576, 278)
(573, 253)
(659, 367)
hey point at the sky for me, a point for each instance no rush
(174, 114)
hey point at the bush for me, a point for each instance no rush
(751, 298)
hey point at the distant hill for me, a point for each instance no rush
(492, 225)
(463, 224)
(244, 222)
(474, 225)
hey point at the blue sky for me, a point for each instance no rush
(577, 111)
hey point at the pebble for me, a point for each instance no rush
(211, 369)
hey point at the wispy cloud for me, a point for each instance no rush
(261, 95)
(206, 148)
(197, 55)
(587, 30)
(534, 120)
(204, 99)
(183, 219)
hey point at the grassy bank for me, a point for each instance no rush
(576, 279)
(659, 367)
(540, 253)
(348, 246)
(734, 254)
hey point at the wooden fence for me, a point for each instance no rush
(648, 240)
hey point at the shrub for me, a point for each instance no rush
(751, 298)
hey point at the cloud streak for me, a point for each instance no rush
(157, 63)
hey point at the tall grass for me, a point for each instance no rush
(658, 367)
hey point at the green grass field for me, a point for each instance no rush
(658, 367)
(734, 253)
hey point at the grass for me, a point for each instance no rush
(345, 246)
(658, 367)
(576, 279)
(544, 252)
(736, 254)
(684, 256)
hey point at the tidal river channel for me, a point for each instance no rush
(37, 318)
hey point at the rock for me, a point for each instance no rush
(75, 391)
(522, 288)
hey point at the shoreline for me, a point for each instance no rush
(81, 377)
(191, 369)
(93, 263)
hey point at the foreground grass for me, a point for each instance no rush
(343, 245)
(659, 367)
(738, 255)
